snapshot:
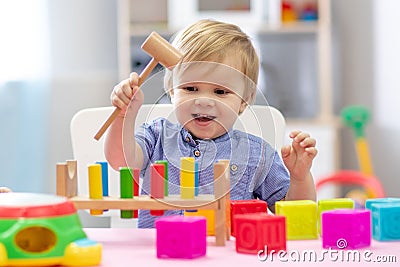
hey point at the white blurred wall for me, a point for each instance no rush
(83, 38)
(366, 73)
(386, 93)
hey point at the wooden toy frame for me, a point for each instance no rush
(67, 175)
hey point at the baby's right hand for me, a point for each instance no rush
(128, 94)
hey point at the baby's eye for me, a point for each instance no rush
(221, 91)
(190, 88)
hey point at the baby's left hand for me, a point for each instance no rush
(299, 156)
(4, 189)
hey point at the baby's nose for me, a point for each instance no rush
(204, 101)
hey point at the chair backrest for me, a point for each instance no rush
(264, 121)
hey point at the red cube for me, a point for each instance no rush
(244, 207)
(260, 231)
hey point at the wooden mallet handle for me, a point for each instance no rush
(163, 53)
(147, 70)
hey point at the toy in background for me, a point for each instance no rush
(295, 10)
(356, 118)
(349, 177)
(43, 230)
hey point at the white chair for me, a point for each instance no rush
(264, 121)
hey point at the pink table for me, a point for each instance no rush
(136, 247)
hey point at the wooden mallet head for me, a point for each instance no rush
(162, 52)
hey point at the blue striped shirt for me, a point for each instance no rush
(256, 170)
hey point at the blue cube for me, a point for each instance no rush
(386, 221)
(369, 202)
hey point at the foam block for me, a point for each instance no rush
(255, 231)
(346, 228)
(181, 237)
(301, 218)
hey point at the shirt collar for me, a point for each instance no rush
(188, 138)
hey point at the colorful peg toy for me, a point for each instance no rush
(129, 201)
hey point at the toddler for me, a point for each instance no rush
(211, 86)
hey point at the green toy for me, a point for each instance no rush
(357, 117)
(43, 230)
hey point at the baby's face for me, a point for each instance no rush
(208, 98)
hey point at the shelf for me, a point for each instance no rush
(144, 29)
(300, 27)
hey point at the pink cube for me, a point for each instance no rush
(260, 231)
(181, 237)
(346, 228)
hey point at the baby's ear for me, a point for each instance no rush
(168, 86)
(245, 102)
(170, 93)
(243, 106)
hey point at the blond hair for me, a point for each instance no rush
(210, 40)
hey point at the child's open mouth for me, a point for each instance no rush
(203, 117)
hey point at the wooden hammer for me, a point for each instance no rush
(162, 52)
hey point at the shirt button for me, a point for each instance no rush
(234, 167)
(197, 153)
(187, 139)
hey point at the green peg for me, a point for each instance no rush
(126, 188)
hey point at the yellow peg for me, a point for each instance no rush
(187, 178)
(95, 185)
